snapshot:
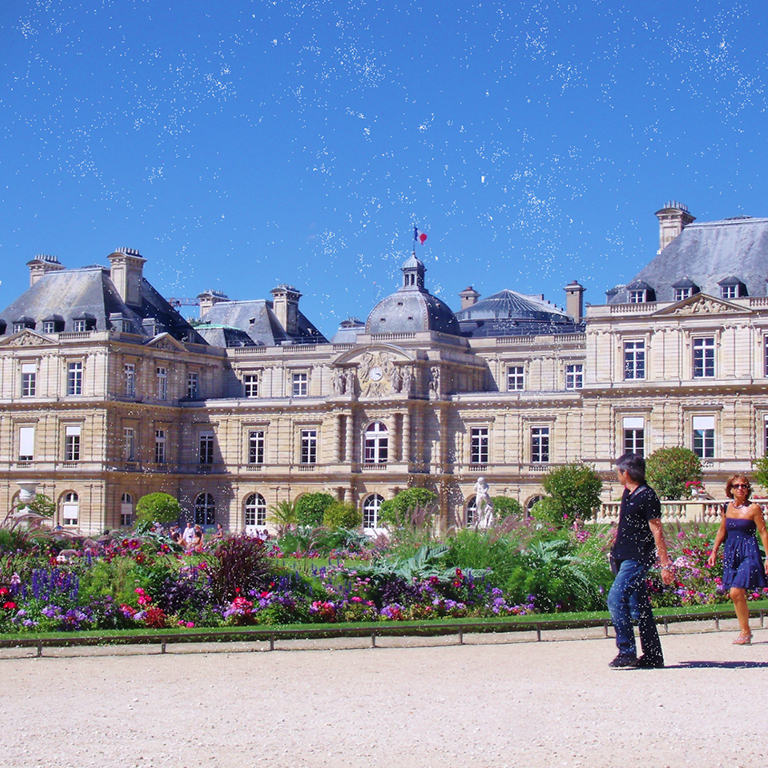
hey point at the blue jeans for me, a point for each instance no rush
(629, 594)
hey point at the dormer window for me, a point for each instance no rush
(84, 322)
(732, 288)
(80, 326)
(22, 323)
(639, 292)
(683, 293)
(685, 288)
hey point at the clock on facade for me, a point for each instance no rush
(375, 373)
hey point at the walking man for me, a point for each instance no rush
(639, 536)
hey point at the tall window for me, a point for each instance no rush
(471, 511)
(703, 358)
(300, 383)
(75, 378)
(371, 509)
(478, 445)
(70, 508)
(255, 511)
(704, 436)
(574, 376)
(309, 446)
(251, 384)
(162, 383)
(206, 447)
(539, 445)
(129, 375)
(28, 379)
(376, 444)
(193, 385)
(256, 446)
(26, 443)
(634, 435)
(72, 443)
(160, 443)
(634, 359)
(126, 510)
(205, 510)
(129, 444)
(515, 378)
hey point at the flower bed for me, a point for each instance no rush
(145, 582)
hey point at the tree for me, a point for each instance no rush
(503, 507)
(42, 505)
(396, 512)
(158, 508)
(669, 469)
(311, 507)
(574, 493)
(283, 515)
(761, 472)
(342, 514)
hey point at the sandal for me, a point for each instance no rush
(743, 639)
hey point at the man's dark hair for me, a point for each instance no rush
(633, 465)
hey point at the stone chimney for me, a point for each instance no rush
(285, 305)
(127, 270)
(42, 265)
(208, 298)
(574, 301)
(673, 218)
(469, 297)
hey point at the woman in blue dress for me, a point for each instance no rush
(743, 567)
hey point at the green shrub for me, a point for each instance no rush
(158, 508)
(283, 515)
(669, 469)
(342, 514)
(575, 493)
(396, 512)
(482, 550)
(311, 507)
(503, 507)
(43, 505)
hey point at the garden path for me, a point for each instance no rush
(478, 705)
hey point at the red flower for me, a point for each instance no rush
(9, 606)
(3, 590)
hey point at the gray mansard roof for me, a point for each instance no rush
(508, 313)
(73, 294)
(256, 320)
(707, 253)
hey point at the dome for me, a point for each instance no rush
(412, 309)
(508, 313)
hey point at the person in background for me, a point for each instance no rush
(639, 536)
(743, 567)
(197, 541)
(188, 536)
(219, 533)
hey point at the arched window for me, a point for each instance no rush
(471, 511)
(376, 443)
(126, 509)
(255, 511)
(529, 504)
(371, 508)
(70, 508)
(205, 509)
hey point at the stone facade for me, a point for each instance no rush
(139, 401)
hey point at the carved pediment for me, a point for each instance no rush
(27, 339)
(376, 371)
(166, 342)
(701, 304)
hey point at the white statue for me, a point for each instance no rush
(483, 504)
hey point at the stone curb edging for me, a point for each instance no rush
(426, 629)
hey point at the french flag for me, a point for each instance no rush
(420, 236)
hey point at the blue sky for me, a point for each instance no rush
(243, 144)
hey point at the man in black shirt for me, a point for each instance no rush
(639, 536)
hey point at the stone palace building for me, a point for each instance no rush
(107, 393)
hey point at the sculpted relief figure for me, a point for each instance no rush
(339, 382)
(434, 381)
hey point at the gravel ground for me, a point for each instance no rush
(413, 704)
